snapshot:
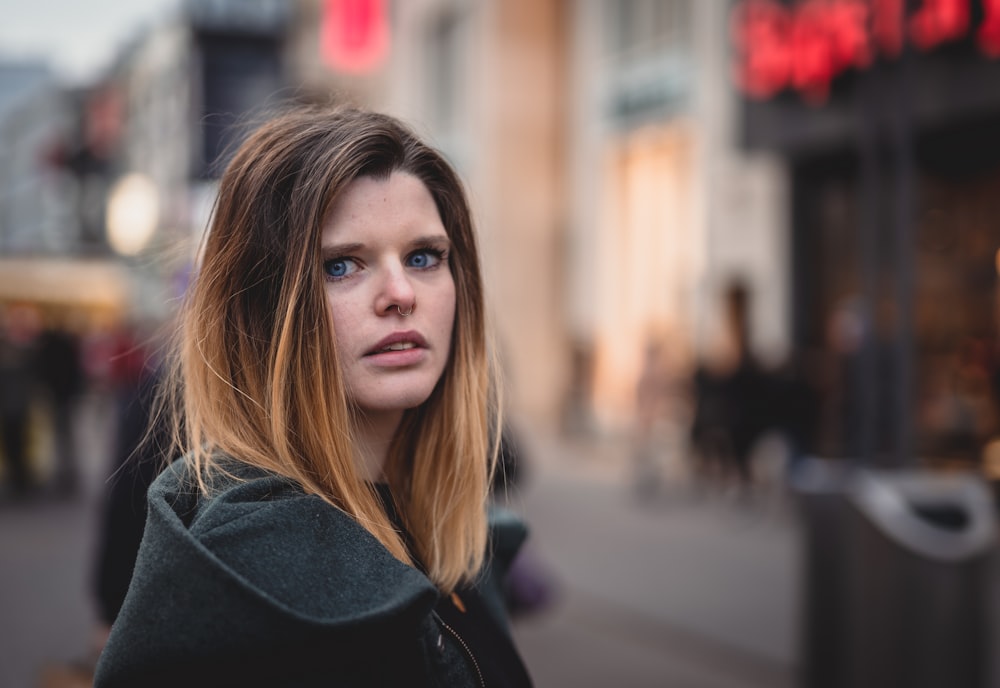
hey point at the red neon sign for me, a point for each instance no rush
(939, 21)
(354, 34)
(806, 46)
(887, 26)
(988, 36)
(827, 39)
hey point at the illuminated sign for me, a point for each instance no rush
(354, 35)
(805, 46)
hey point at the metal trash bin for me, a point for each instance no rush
(896, 577)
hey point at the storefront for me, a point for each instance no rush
(894, 157)
(99, 290)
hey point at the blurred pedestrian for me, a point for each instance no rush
(141, 446)
(59, 371)
(16, 389)
(650, 411)
(735, 402)
(328, 522)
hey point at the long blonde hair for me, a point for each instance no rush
(257, 376)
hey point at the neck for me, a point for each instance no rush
(374, 433)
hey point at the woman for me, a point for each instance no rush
(328, 524)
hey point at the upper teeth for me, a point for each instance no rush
(399, 346)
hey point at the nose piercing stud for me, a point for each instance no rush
(400, 310)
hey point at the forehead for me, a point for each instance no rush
(369, 205)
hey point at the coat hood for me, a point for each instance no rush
(261, 583)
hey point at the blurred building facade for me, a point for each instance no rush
(188, 89)
(34, 117)
(620, 181)
(49, 198)
(107, 187)
(597, 139)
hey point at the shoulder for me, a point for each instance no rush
(257, 571)
(282, 542)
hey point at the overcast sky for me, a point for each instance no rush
(78, 38)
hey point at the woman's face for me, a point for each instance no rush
(385, 252)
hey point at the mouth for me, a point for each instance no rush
(398, 341)
(401, 346)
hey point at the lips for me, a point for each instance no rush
(398, 341)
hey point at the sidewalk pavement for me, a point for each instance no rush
(662, 589)
(47, 614)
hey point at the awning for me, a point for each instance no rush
(91, 283)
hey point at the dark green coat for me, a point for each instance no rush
(263, 585)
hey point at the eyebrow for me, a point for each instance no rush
(333, 250)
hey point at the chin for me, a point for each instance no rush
(403, 400)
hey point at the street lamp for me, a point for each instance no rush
(133, 213)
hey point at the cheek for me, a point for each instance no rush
(344, 318)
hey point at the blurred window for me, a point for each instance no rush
(643, 28)
(649, 60)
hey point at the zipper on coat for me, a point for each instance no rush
(472, 658)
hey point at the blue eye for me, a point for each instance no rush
(339, 268)
(424, 258)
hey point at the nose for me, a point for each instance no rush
(395, 293)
